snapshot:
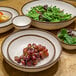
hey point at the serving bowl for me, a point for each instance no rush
(68, 46)
(6, 26)
(21, 22)
(51, 25)
(33, 31)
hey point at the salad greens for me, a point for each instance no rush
(67, 37)
(49, 14)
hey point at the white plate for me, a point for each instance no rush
(16, 46)
(6, 26)
(12, 11)
(43, 33)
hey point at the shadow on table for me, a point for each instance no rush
(7, 33)
(70, 51)
(13, 72)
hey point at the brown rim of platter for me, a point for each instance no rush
(9, 18)
(10, 12)
(23, 25)
(63, 41)
(49, 22)
(31, 29)
(25, 66)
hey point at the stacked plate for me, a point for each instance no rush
(13, 45)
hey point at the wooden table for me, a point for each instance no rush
(66, 66)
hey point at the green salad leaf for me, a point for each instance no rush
(49, 14)
(64, 36)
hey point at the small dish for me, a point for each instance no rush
(51, 25)
(22, 41)
(5, 26)
(21, 22)
(39, 32)
(68, 46)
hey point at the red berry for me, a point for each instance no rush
(29, 63)
(34, 45)
(35, 62)
(29, 46)
(40, 48)
(35, 54)
(35, 51)
(21, 57)
(24, 57)
(41, 55)
(25, 50)
(17, 59)
(38, 59)
(44, 47)
(23, 62)
(46, 54)
(33, 58)
(45, 50)
(28, 52)
(28, 57)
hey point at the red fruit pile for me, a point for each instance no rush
(32, 54)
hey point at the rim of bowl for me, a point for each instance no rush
(9, 18)
(63, 41)
(23, 25)
(11, 13)
(21, 66)
(49, 22)
(32, 29)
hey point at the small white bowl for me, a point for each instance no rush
(21, 22)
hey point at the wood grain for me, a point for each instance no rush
(66, 66)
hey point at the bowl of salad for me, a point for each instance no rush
(50, 15)
(67, 39)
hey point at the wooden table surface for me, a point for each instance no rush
(66, 66)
